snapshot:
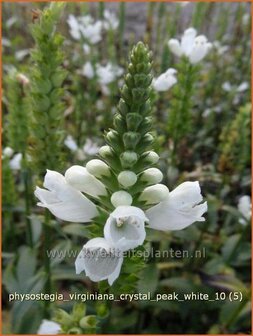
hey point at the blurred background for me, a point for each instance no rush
(215, 150)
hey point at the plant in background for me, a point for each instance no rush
(234, 144)
(46, 120)
(191, 49)
(121, 193)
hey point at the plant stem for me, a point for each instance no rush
(26, 179)
(47, 268)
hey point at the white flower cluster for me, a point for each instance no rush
(125, 228)
(105, 74)
(15, 159)
(90, 147)
(87, 29)
(194, 47)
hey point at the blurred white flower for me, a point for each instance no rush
(244, 206)
(6, 42)
(64, 201)
(192, 46)
(221, 49)
(86, 49)
(90, 147)
(226, 86)
(8, 152)
(88, 70)
(92, 32)
(108, 73)
(70, 143)
(49, 328)
(180, 209)
(74, 27)
(165, 81)
(183, 3)
(125, 227)
(99, 260)
(11, 21)
(15, 162)
(21, 54)
(110, 20)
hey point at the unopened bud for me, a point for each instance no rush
(8, 152)
(105, 152)
(154, 194)
(152, 176)
(98, 168)
(23, 79)
(127, 178)
(128, 159)
(88, 322)
(121, 198)
(131, 139)
(151, 157)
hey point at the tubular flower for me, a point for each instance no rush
(180, 209)
(192, 46)
(99, 260)
(165, 81)
(244, 206)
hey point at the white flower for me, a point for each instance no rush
(86, 48)
(99, 260)
(92, 31)
(226, 86)
(49, 328)
(125, 227)
(121, 197)
(21, 54)
(88, 70)
(108, 73)
(74, 27)
(180, 209)
(243, 87)
(165, 81)
(110, 20)
(244, 206)
(70, 143)
(192, 46)
(15, 162)
(8, 152)
(63, 200)
(90, 147)
(79, 178)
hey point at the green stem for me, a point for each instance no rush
(27, 183)
(47, 268)
(237, 245)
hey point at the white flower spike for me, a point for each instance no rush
(165, 81)
(63, 201)
(99, 260)
(180, 209)
(192, 46)
(125, 227)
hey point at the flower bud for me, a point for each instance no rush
(127, 178)
(8, 152)
(128, 159)
(122, 107)
(121, 198)
(151, 157)
(152, 176)
(98, 168)
(145, 142)
(131, 139)
(154, 194)
(79, 178)
(119, 123)
(88, 322)
(23, 79)
(133, 121)
(105, 152)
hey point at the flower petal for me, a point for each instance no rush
(175, 47)
(64, 201)
(187, 40)
(179, 210)
(99, 260)
(49, 328)
(125, 228)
